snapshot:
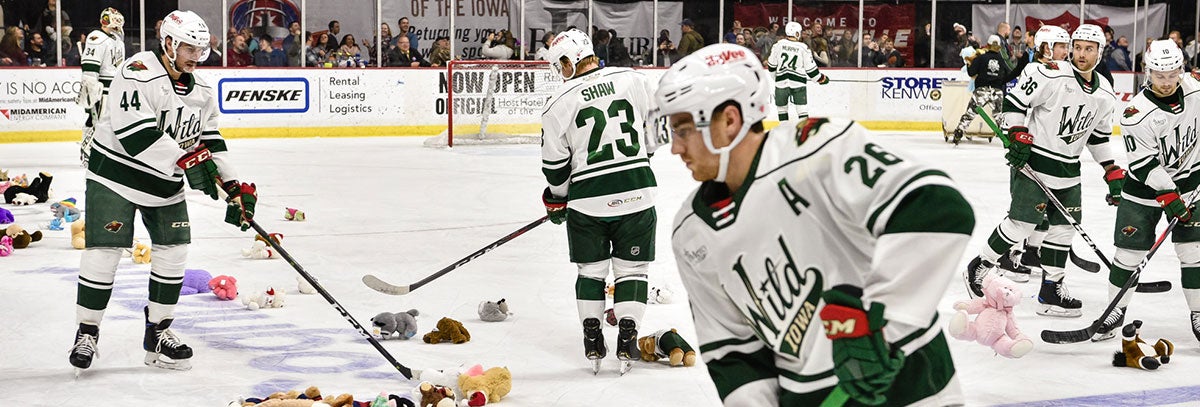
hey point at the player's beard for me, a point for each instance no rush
(185, 66)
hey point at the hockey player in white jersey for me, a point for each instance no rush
(812, 218)
(792, 63)
(596, 160)
(1054, 112)
(103, 52)
(1159, 127)
(160, 128)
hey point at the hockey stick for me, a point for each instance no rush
(1083, 263)
(1150, 287)
(384, 287)
(320, 290)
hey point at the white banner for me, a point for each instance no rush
(634, 22)
(1031, 16)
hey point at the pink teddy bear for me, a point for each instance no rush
(6, 246)
(995, 326)
(224, 287)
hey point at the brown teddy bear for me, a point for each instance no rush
(433, 395)
(481, 387)
(668, 344)
(448, 330)
(20, 237)
(1134, 351)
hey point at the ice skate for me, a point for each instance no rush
(627, 349)
(1031, 257)
(1115, 320)
(977, 269)
(1055, 301)
(1010, 267)
(85, 347)
(593, 343)
(163, 348)
(958, 135)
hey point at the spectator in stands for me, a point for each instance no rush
(238, 55)
(867, 50)
(152, 43)
(318, 50)
(690, 40)
(45, 23)
(741, 40)
(351, 52)
(818, 31)
(1017, 42)
(385, 38)
(618, 53)
(71, 49)
(335, 28)
(665, 48)
(776, 32)
(406, 30)
(38, 53)
(541, 53)
(764, 39)
(214, 56)
(10, 47)
(921, 47)
(1119, 59)
(405, 55)
(499, 45)
(1004, 30)
(268, 55)
(1192, 50)
(251, 44)
(439, 53)
(1177, 37)
(820, 51)
(1138, 60)
(291, 44)
(600, 46)
(889, 56)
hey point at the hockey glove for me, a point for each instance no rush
(822, 80)
(242, 197)
(200, 171)
(1019, 147)
(1115, 177)
(865, 364)
(1173, 206)
(556, 207)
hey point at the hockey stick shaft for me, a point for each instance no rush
(321, 290)
(386, 288)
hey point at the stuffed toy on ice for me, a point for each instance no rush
(659, 295)
(293, 214)
(6, 217)
(994, 326)
(140, 253)
(195, 282)
(20, 238)
(78, 238)
(493, 311)
(270, 298)
(224, 287)
(400, 324)
(668, 344)
(65, 210)
(6, 247)
(480, 387)
(38, 189)
(1136, 353)
(258, 250)
(448, 330)
(23, 199)
(431, 395)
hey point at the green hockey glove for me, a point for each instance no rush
(556, 207)
(1173, 206)
(242, 197)
(1019, 148)
(865, 364)
(822, 80)
(1115, 177)
(200, 171)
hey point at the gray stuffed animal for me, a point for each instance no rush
(403, 323)
(493, 311)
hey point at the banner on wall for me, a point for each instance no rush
(633, 22)
(1032, 16)
(895, 21)
(39, 99)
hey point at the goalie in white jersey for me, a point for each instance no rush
(812, 218)
(159, 128)
(1159, 127)
(793, 65)
(103, 52)
(1056, 109)
(597, 162)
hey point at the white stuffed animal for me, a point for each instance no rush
(24, 199)
(271, 298)
(258, 250)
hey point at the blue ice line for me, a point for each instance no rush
(1156, 397)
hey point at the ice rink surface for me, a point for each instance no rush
(390, 207)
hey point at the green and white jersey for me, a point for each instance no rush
(793, 64)
(152, 122)
(824, 205)
(1160, 141)
(1063, 113)
(593, 149)
(102, 54)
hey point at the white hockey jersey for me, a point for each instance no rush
(151, 122)
(1063, 113)
(1160, 141)
(824, 206)
(793, 64)
(594, 151)
(101, 55)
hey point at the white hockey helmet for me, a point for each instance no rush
(1091, 33)
(574, 45)
(1163, 56)
(112, 19)
(793, 29)
(184, 27)
(1050, 35)
(701, 82)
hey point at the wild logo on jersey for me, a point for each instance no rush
(185, 132)
(1175, 146)
(1073, 126)
(791, 295)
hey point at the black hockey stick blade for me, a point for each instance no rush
(1084, 264)
(1154, 287)
(1076, 336)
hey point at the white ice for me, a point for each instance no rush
(390, 207)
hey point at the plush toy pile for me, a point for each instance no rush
(477, 387)
(311, 397)
(20, 238)
(20, 193)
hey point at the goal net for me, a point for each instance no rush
(495, 102)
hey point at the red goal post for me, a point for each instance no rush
(495, 101)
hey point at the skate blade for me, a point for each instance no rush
(78, 372)
(596, 366)
(154, 359)
(626, 365)
(1060, 312)
(1103, 336)
(1017, 277)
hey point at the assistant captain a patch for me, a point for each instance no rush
(114, 226)
(1128, 231)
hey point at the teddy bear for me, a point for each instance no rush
(311, 397)
(65, 210)
(304, 287)
(493, 311)
(995, 325)
(6, 247)
(39, 189)
(428, 394)
(140, 253)
(659, 295)
(668, 344)
(78, 238)
(294, 214)
(21, 239)
(195, 282)
(403, 324)
(448, 330)
(224, 287)
(6, 217)
(1136, 353)
(480, 387)
(24, 199)
(271, 298)
(440, 377)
